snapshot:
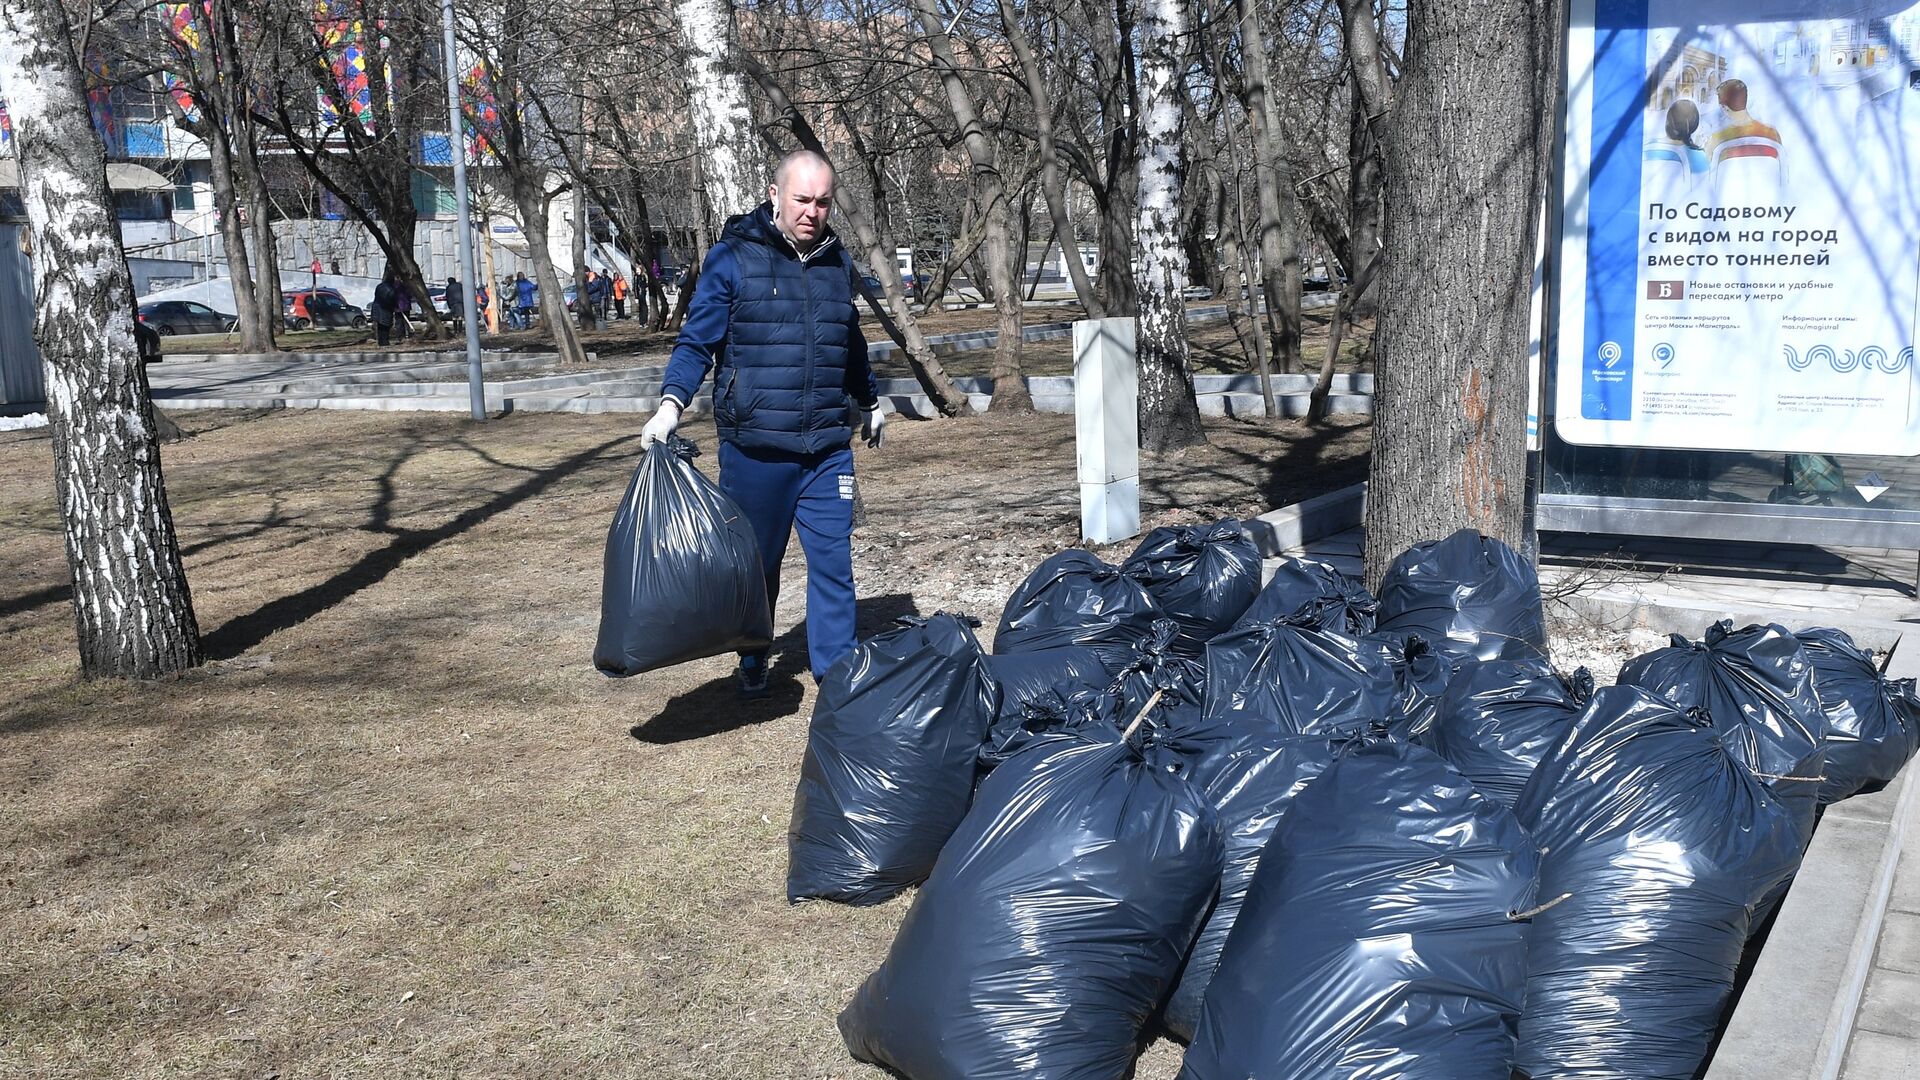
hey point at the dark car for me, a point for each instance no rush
(325, 309)
(169, 317)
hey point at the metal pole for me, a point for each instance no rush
(456, 149)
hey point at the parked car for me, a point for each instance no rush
(169, 317)
(325, 309)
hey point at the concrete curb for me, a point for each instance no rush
(1298, 525)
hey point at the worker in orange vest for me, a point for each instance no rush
(619, 295)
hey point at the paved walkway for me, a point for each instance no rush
(1885, 1041)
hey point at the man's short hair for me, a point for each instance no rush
(1733, 94)
(798, 157)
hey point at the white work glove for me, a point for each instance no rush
(665, 419)
(872, 423)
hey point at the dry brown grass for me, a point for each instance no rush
(401, 827)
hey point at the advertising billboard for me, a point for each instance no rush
(1740, 248)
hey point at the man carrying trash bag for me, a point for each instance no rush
(773, 318)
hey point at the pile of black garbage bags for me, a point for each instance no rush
(1315, 833)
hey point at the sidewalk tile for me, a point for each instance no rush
(1874, 1056)
(1889, 1007)
(1900, 944)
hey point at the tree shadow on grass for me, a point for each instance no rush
(245, 631)
(716, 706)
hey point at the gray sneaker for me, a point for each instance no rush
(752, 676)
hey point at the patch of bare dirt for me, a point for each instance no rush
(399, 826)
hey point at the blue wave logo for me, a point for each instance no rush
(1869, 359)
(1663, 353)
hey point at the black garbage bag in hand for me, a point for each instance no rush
(1249, 773)
(890, 762)
(1053, 923)
(1384, 934)
(1468, 594)
(1757, 685)
(1665, 845)
(1290, 678)
(1073, 598)
(1873, 724)
(682, 577)
(1421, 676)
(1498, 719)
(1304, 583)
(1202, 576)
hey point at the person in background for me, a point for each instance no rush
(597, 290)
(385, 298)
(523, 300)
(456, 300)
(619, 295)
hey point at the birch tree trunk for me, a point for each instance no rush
(736, 176)
(1004, 265)
(132, 611)
(1465, 151)
(1169, 415)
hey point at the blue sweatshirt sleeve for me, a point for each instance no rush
(860, 381)
(704, 333)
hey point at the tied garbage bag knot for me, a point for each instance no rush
(1202, 576)
(1316, 595)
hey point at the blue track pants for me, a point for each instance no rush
(781, 491)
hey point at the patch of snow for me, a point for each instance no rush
(23, 423)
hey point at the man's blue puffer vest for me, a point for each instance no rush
(782, 336)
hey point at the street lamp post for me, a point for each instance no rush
(476, 378)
